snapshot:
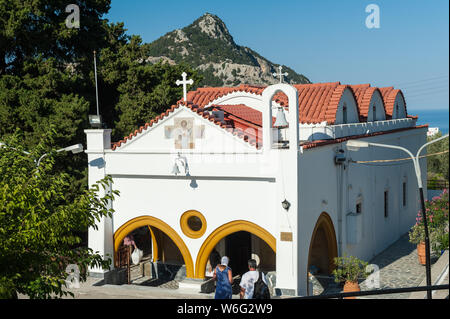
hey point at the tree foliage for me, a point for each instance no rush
(39, 225)
(438, 164)
(47, 77)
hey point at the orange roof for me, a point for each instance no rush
(318, 102)
(363, 94)
(236, 131)
(389, 95)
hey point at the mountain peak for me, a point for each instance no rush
(213, 27)
(207, 45)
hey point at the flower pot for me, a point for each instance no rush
(421, 253)
(351, 286)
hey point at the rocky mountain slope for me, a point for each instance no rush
(208, 46)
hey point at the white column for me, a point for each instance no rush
(100, 240)
(290, 256)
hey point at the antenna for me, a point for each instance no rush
(96, 87)
(95, 120)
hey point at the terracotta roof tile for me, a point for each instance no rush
(318, 102)
(389, 95)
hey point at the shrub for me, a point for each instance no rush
(349, 268)
(437, 218)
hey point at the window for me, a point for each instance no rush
(404, 194)
(359, 208)
(193, 224)
(374, 113)
(386, 204)
(344, 114)
(396, 111)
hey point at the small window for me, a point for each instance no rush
(359, 208)
(374, 113)
(404, 194)
(396, 111)
(344, 114)
(386, 204)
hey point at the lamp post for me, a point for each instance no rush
(76, 148)
(354, 145)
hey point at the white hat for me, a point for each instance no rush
(224, 261)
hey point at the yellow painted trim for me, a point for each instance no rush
(185, 227)
(223, 231)
(141, 221)
(325, 221)
(154, 244)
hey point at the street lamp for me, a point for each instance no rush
(354, 145)
(76, 148)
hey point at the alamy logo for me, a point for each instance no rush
(73, 19)
(73, 280)
(373, 19)
(373, 280)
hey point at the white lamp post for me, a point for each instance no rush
(77, 148)
(354, 145)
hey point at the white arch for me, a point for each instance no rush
(252, 100)
(292, 118)
(399, 110)
(380, 112)
(348, 100)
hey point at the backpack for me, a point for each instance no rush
(260, 289)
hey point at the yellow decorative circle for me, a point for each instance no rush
(193, 224)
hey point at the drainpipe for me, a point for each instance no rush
(340, 203)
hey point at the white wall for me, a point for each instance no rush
(319, 192)
(220, 201)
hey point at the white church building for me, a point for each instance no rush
(223, 170)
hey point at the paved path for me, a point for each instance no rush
(398, 264)
(399, 268)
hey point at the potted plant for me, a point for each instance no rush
(437, 217)
(439, 207)
(348, 270)
(417, 236)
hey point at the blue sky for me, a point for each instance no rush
(324, 40)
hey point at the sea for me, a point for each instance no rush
(434, 118)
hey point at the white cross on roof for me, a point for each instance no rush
(280, 74)
(184, 82)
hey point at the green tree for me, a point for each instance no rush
(38, 223)
(148, 91)
(32, 28)
(43, 97)
(438, 164)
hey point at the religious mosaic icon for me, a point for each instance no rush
(184, 133)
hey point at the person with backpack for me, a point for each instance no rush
(253, 283)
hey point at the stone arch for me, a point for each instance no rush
(223, 231)
(323, 238)
(137, 222)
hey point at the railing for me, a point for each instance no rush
(313, 132)
(375, 292)
(437, 184)
(123, 260)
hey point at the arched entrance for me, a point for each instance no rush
(323, 245)
(222, 232)
(137, 222)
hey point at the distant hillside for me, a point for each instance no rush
(208, 46)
